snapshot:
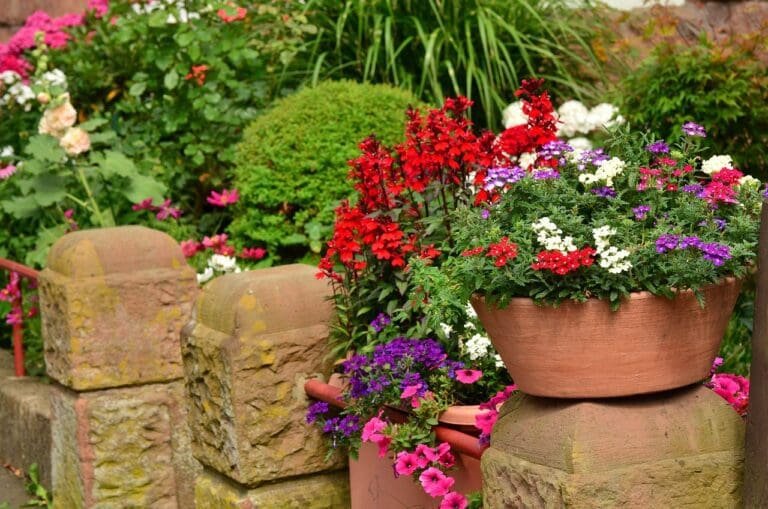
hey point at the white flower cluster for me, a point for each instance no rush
(573, 116)
(218, 264)
(606, 172)
(163, 5)
(18, 92)
(749, 181)
(7, 151)
(716, 163)
(477, 346)
(550, 236)
(611, 258)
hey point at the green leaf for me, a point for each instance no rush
(137, 89)
(171, 79)
(184, 39)
(45, 239)
(158, 19)
(141, 187)
(49, 189)
(296, 238)
(20, 207)
(46, 148)
(92, 124)
(116, 163)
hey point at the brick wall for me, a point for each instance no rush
(14, 12)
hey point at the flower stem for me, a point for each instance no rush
(94, 205)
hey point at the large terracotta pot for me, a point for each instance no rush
(585, 350)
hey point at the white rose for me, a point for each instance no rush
(75, 141)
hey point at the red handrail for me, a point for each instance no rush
(461, 442)
(17, 303)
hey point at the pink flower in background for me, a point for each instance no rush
(145, 204)
(468, 376)
(732, 388)
(406, 463)
(190, 248)
(253, 253)
(100, 7)
(224, 198)
(165, 210)
(218, 244)
(5, 173)
(13, 63)
(454, 500)
(69, 215)
(435, 482)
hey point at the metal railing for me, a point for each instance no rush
(17, 305)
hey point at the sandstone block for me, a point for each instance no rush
(122, 448)
(255, 339)
(319, 491)
(113, 302)
(682, 448)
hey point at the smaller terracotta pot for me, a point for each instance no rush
(461, 418)
(585, 350)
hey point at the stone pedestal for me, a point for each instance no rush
(113, 303)
(682, 448)
(254, 340)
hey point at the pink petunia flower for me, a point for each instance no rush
(435, 482)
(224, 198)
(410, 391)
(425, 455)
(383, 443)
(468, 376)
(5, 173)
(444, 455)
(485, 421)
(406, 463)
(454, 500)
(100, 7)
(218, 244)
(373, 428)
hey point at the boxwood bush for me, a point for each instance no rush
(291, 166)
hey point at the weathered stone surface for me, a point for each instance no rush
(682, 448)
(319, 491)
(112, 304)
(122, 448)
(25, 421)
(256, 337)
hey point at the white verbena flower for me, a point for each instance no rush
(612, 259)
(604, 115)
(549, 236)
(477, 346)
(716, 163)
(499, 362)
(527, 159)
(606, 172)
(447, 329)
(470, 311)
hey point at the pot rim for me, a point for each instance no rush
(633, 296)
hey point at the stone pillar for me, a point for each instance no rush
(255, 339)
(113, 303)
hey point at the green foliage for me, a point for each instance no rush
(179, 93)
(40, 495)
(478, 48)
(292, 164)
(723, 86)
(736, 349)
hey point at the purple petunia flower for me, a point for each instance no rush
(545, 174)
(667, 242)
(315, 410)
(658, 147)
(641, 211)
(381, 321)
(604, 192)
(715, 252)
(694, 129)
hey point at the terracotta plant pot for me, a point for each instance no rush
(585, 350)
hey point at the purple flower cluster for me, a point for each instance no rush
(694, 129)
(381, 321)
(658, 147)
(594, 157)
(399, 359)
(641, 211)
(604, 192)
(713, 252)
(501, 176)
(696, 189)
(545, 174)
(347, 425)
(555, 149)
(315, 410)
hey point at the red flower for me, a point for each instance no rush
(198, 73)
(253, 253)
(473, 252)
(239, 14)
(429, 252)
(561, 264)
(502, 251)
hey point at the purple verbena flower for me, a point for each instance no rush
(715, 252)
(594, 157)
(720, 223)
(694, 129)
(545, 174)
(667, 242)
(315, 410)
(696, 189)
(604, 192)
(381, 321)
(555, 149)
(691, 241)
(658, 147)
(641, 211)
(502, 176)
(485, 214)
(331, 425)
(349, 425)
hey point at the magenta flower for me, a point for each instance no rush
(145, 204)
(190, 248)
(100, 7)
(435, 482)
(454, 500)
(224, 198)
(383, 443)
(410, 391)
(406, 463)
(373, 428)
(485, 421)
(425, 455)
(165, 210)
(732, 388)
(444, 455)
(253, 253)
(468, 376)
(5, 173)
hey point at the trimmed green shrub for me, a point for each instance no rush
(291, 167)
(723, 86)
